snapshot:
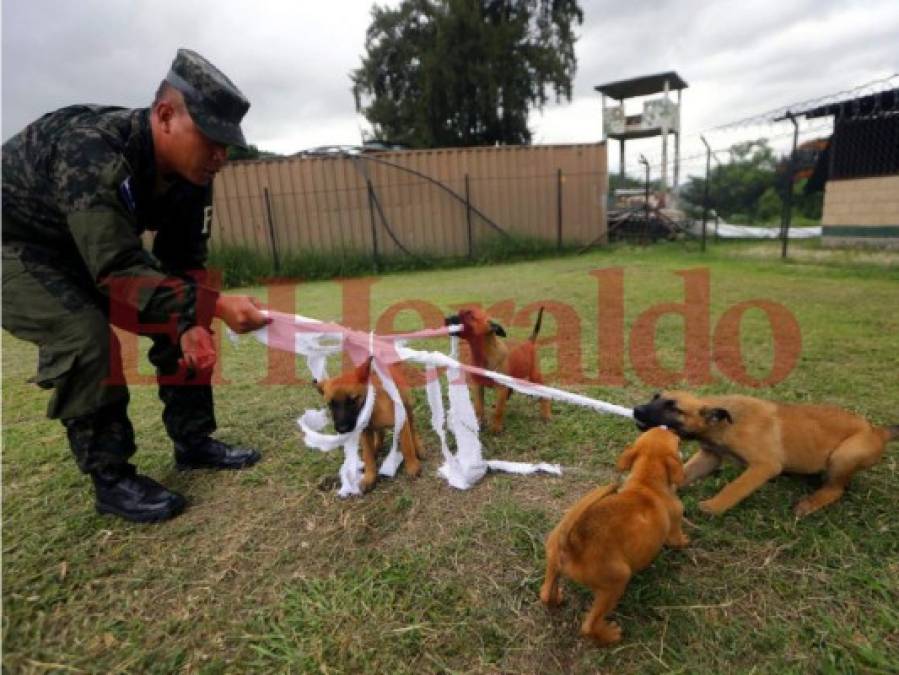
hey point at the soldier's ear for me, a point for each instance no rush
(164, 111)
(496, 329)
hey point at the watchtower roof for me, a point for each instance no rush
(641, 86)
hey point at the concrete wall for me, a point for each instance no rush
(861, 211)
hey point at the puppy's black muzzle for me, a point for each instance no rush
(642, 418)
(345, 414)
(653, 414)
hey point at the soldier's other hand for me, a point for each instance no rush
(198, 351)
(242, 313)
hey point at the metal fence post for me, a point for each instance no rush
(374, 230)
(271, 230)
(559, 209)
(705, 198)
(646, 233)
(468, 216)
(788, 201)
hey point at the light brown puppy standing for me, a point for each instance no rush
(769, 438)
(606, 537)
(490, 352)
(345, 396)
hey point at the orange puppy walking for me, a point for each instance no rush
(490, 352)
(606, 536)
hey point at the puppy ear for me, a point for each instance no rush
(497, 329)
(318, 385)
(627, 458)
(675, 471)
(363, 371)
(716, 415)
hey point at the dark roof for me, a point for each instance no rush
(855, 107)
(641, 86)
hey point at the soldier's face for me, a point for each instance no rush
(198, 158)
(184, 149)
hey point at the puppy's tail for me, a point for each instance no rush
(574, 514)
(537, 325)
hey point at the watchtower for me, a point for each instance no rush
(660, 116)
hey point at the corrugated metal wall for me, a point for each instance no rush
(323, 204)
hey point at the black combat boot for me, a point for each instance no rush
(122, 491)
(209, 453)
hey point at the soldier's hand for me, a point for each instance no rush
(198, 351)
(242, 313)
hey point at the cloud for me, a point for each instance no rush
(293, 59)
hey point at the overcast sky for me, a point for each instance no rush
(293, 59)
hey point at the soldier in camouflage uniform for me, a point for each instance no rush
(80, 185)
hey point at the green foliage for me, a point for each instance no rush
(250, 152)
(770, 206)
(448, 73)
(243, 267)
(809, 206)
(749, 188)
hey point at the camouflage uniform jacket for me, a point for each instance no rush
(79, 188)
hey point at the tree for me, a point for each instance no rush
(442, 73)
(250, 152)
(738, 189)
(770, 206)
(751, 188)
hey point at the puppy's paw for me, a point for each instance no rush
(607, 633)
(711, 507)
(550, 598)
(679, 542)
(804, 508)
(497, 427)
(367, 483)
(413, 469)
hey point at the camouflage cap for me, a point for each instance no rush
(215, 104)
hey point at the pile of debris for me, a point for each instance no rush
(643, 218)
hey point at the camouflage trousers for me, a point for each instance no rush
(69, 321)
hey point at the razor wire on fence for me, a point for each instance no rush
(849, 135)
(420, 205)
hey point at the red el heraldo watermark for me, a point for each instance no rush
(705, 346)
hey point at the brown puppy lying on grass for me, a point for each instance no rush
(345, 396)
(768, 438)
(607, 536)
(490, 352)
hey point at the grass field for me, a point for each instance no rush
(267, 573)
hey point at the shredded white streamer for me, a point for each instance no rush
(316, 341)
